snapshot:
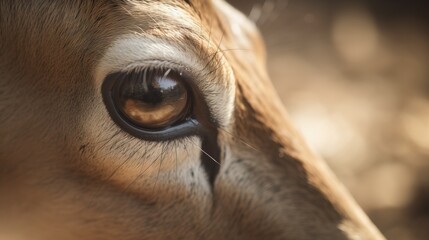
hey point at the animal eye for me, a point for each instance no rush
(152, 98)
(149, 99)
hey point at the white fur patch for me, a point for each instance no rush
(119, 157)
(139, 51)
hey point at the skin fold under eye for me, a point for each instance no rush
(152, 98)
(156, 104)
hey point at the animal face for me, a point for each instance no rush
(126, 119)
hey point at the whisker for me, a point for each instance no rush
(212, 56)
(234, 49)
(208, 155)
(241, 140)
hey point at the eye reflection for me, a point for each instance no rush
(152, 98)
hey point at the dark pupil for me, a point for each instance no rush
(152, 98)
(151, 88)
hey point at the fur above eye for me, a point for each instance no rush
(152, 98)
(151, 103)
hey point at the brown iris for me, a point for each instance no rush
(153, 98)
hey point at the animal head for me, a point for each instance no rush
(126, 119)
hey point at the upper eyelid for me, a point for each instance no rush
(132, 51)
(154, 63)
(190, 75)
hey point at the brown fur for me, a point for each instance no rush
(61, 177)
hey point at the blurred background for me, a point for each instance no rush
(354, 76)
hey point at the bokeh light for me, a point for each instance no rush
(354, 77)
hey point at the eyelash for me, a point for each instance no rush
(187, 128)
(150, 64)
